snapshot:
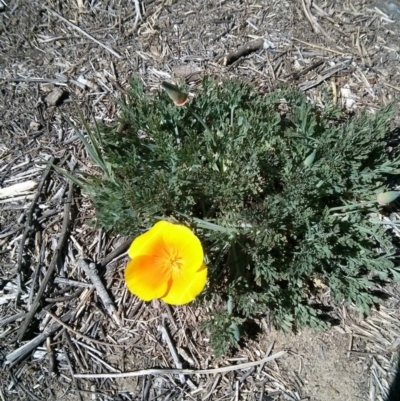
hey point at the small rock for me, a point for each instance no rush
(34, 126)
(54, 97)
(348, 98)
(90, 84)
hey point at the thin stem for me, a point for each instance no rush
(362, 204)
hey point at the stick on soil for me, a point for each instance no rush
(181, 371)
(52, 267)
(242, 51)
(115, 253)
(91, 271)
(29, 217)
(81, 31)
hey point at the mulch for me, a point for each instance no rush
(68, 325)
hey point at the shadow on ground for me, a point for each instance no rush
(394, 394)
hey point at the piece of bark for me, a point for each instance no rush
(242, 51)
(22, 188)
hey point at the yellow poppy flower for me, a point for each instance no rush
(167, 263)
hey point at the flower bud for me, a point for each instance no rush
(310, 159)
(384, 198)
(177, 96)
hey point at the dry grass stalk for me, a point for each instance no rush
(183, 371)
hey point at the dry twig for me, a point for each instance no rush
(180, 371)
(320, 47)
(242, 51)
(91, 271)
(21, 352)
(80, 30)
(115, 253)
(138, 13)
(326, 74)
(60, 244)
(316, 27)
(173, 352)
(29, 218)
(83, 335)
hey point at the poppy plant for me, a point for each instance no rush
(166, 263)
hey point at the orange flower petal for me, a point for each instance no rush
(185, 244)
(148, 243)
(186, 285)
(147, 278)
(165, 264)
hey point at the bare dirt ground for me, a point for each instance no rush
(53, 324)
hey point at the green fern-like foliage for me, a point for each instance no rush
(257, 177)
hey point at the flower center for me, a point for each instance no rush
(174, 261)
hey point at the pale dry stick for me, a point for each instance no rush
(379, 367)
(334, 92)
(179, 371)
(358, 47)
(321, 47)
(35, 80)
(99, 243)
(366, 53)
(378, 382)
(73, 350)
(51, 357)
(391, 86)
(29, 219)
(146, 390)
(91, 271)
(349, 348)
(35, 275)
(80, 30)
(372, 391)
(83, 335)
(322, 12)
(271, 68)
(109, 367)
(57, 252)
(363, 353)
(67, 281)
(12, 319)
(261, 393)
(328, 73)
(21, 352)
(210, 393)
(316, 27)
(138, 13)
(269, 350)
(21, 188)
(173, 352)
(72, 373)
(27, 392)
